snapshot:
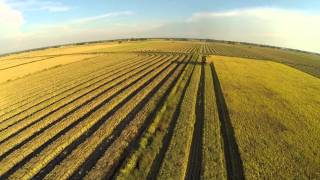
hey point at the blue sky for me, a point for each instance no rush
(28, 24)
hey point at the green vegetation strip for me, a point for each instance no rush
(138, 164)
(125, 135)
(213, 156)
(175, 163)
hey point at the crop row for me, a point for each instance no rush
(41, 78)
(59, 95)
(151, 140)
(53, 104)
(130, 117)
(57, 115)
(55, 152)
(67, 79)
(37, 122)
(176, 158)
(80, 120)
(212, 152)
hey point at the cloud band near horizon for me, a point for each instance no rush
(271, 26)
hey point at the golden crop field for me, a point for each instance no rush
(160, 109)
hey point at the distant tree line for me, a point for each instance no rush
(169, 39)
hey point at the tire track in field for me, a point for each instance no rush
(59, 158)
(156, 164)
(93, 159)
(92, 129)
(231, 151)
(194, 168)
(64, 91)
(76, 80)
(25, 63)
(75, 109)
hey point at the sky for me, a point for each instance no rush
(27, 24)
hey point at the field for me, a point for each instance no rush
(160, 109)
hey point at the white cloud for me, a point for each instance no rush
(75, 30)
(102, 16)
(39, 5)
(11, 20)
(274, 26)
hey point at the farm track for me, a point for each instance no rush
(55, 108)
(232, 155)
(70, 124)
(194, 170)
(74, 83)
(158, 70)
(140, 117)
(1, 69)
(157, 162)
(43, 127)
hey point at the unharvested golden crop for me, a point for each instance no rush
(274, 110)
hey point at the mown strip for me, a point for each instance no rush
(145, 149)
(49, 110)
(231, 151)
(61, 93)
(213, 156)
(88, 122)
(75, 119)
(120, 137)
(36, 129)
(195, 169)
(41, 78)
(74, 77)
(176, 158)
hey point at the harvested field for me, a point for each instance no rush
(159, 109)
